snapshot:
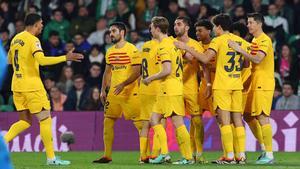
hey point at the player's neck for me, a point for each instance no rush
(184, 38)
(121, 43)
(257, 33)
(162, 36)
(31, 31)
(206, 41)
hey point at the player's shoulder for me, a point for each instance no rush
(264, 38)
(131, 46)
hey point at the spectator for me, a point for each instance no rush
(285, 61)
(57, 99)
(96, 55)
(5, 39)
(192, 6)
(77, 95)
(255, 6)
(69, 10)
(59, 24)
(276, 96)
(4, 24)
(171, 15)
(274, 20)
(110, 15)
(33, 9)
(6, 11)
(228, 7)
(107, 42)
(95, 75)
(206, 11)
(81, 44)
(66, 83)
(144, 20)
(49, 82)
(104, 6)
(93, 103)
(19, 26)
(288, 101)
(136, 40)
(125, 15)
(286, 12)
(97, 36)
(239, 14)
(83, 24)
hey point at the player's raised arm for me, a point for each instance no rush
(202, 57)
(253, 58)
(166, 70)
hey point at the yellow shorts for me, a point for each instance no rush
(192, 104)
(34, 101)
(246, 102)
(261, 102)
(205, 104)
(228, 100)
(115, 106)
(169, 105)
(147, 102)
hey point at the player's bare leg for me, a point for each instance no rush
(240, 136)
(183, 139)
(108, 139)
(24, 123)
(266, 128)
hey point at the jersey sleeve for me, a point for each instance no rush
(106, 57)
(164, 54)
(36, 46)
(198, 48)
(214, 45)
(136, 57)
(264, 45)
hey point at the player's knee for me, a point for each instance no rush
(248, 118)
(43, 115)
(263, 119)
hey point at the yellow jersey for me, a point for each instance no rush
(122, 60)
(150, 66)
(26, 75)
(246, 72)
(263, 73)
(172, 84)
(229, 62)
(190, 70)
(212, 62)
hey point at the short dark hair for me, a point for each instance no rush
(78, 76)
(205, 23)
(241, 28)
(161, 22)
(223, 20)
(120, 25)
(53, 33)
(95, 64)
(257, 17)
(186, 20)
(32, 19)
(288, 83)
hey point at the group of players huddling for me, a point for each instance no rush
(162, 81)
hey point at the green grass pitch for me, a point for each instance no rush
(129, 160)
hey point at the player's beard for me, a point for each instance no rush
(115, 40)
(179, 33)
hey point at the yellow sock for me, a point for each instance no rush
(241, 138)
(222, 141)
(138, 125)
(199, 133)
(256, 130)
(180, 145)
(192, 138)
(155, 146)
(226, 133)
(108, 136)
(267, 137)
(184, 139)
(236, 146)
(16, 129)
(46, 135)
(162, 137)
(143, 147)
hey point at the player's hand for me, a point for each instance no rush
(103, 97)
(188, 56)
(235, 46)
(180, 45)
(77, 57)
(119, 88)
(147, 80)
(208, 92)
